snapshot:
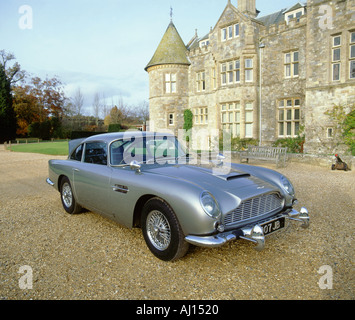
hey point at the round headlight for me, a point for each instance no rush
(209, 205)
(287, 185)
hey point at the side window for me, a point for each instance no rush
(117, 150)
(95, 152)
(77, 153)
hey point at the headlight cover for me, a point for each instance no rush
(209, 205)
(287, 185)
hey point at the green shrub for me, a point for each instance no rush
(294, 145)
(349, 131)
(236, 143)
(114, 127)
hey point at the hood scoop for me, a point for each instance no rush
(233, 176)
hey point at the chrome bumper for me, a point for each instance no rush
(253, 233)
(50, 182)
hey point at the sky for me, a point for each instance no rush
(103, 46)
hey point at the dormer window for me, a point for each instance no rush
(295, 12)
(204, 43)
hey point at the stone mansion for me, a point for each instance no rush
(261, 77)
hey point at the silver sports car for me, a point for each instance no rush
(146, 180)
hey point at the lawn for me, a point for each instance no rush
(52, 148)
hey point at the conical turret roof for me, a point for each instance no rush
(171, 49)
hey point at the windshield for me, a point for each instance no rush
(153, 149)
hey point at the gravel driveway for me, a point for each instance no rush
(89, 257)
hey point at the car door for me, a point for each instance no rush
(125, 183)
(123, 194)
(92, 177)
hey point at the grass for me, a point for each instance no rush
(52, 148)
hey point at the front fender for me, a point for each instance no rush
(184, 199)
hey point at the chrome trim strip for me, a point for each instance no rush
(50, 182)
(119, 188)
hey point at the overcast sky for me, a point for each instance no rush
(103, 45)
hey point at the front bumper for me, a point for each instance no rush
(50, 182)
(253, 233)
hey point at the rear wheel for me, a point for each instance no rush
(66, 195)
(162, 231)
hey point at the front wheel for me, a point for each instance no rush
(66, 195)
(162, 231)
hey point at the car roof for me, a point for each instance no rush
(108, 137)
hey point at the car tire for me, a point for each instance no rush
(162, 231)
(68, 200)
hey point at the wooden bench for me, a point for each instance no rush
(279, 155)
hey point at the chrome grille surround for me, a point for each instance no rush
(255, 207)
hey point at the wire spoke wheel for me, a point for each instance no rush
(158, 230)
(162, 231)
(68, 198)
(67, 195)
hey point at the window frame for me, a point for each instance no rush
(336, 63)
(200, 116)
(83, 159)
(351, 58)
(230, 32)
(248, 70)
(170, 84)
(288, 117)
(201, 81)
(291, 64)
(232, 119)
(171, 119)
(74, 152)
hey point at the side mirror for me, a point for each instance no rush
(220, 158)
(135, 165)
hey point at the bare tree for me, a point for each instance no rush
(14, 72)
(105, 110)
(78, 101)
(96, 106)
(141, 111)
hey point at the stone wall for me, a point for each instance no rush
(161, 104)
(310, 35)
(322, 93)
(279, 40)
(210, 58)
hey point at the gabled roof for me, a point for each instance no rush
(295, 7)
(273, 18)
(195, 42)
(171, 49)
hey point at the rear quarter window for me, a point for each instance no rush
(77, 153)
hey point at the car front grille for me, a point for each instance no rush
(258, 206)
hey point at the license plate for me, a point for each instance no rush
(272, 226)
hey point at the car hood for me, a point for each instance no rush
(213, 179)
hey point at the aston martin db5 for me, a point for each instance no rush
(148, 180)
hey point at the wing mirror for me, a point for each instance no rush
(135, 165)
(220, 158)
